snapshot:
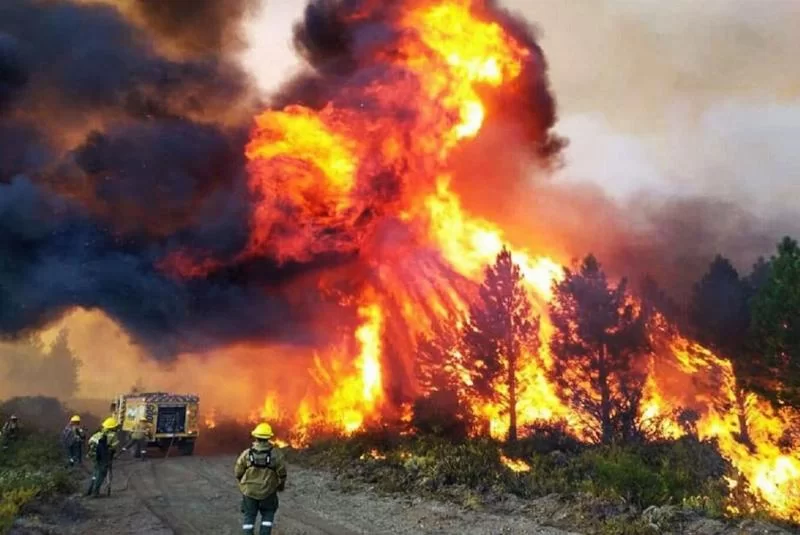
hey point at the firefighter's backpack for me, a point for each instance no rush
(260, 459)
(102, 452)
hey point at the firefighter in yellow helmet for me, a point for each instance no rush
(72, 438)
(138, 438)
(102, 447)
(261, 473)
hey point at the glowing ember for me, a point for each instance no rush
(372, 454)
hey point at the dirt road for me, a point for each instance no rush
(188, 495)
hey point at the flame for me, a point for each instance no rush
(343, 178)
(515, 465)
(372, 454)
(211, 419)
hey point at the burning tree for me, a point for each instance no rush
(719, 314)
(597, 338)
(501, 329)
(439, 369)
(776, 328)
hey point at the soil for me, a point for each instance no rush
(187, 495)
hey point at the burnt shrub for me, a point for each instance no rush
(543, 438)
(441, 414)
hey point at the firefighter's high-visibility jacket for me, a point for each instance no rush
(139, 431)
(260, 471)
(111, 440)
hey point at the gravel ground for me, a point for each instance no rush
(185, 495)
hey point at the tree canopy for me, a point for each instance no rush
(500, 329)
(776, 328)
(597, 338)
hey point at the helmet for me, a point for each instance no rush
(109, 423)
(75, 419)
(263, 431)
(14, 417)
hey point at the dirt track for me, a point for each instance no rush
(187, 495)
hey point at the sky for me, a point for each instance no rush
(670, 98)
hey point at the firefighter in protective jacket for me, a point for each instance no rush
(102, 447)
(72, 437)
(261, 473)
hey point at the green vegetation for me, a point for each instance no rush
(33, 464)
(595, 489)
(775, 329)
(31, 467)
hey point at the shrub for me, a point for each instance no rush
(545, 437)
(441, 414)
(37, 413)
(619, 473)
(660, 473)
(685, 472)
(32, 467)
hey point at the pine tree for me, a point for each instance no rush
(775, 329)
(501, 329)
(61, 366)
(597, 341)
(719, 316)
(442, 409)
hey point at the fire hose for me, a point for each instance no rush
(109, 476)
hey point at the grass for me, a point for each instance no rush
(32, 467)
(603, 489)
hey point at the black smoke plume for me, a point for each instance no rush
(112, 154)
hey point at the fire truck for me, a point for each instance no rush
(171, 419)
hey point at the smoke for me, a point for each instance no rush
(112, 154)
(680, 118)
(123, 124)
(197, 26)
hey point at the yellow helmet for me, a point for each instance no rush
(109, 423)
(263, 431)
(75, 419)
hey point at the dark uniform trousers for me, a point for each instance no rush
(252, 507)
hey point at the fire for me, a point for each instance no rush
(515, 465)
(280, 443)
(372, 454)
(211, 419)
(369, 176)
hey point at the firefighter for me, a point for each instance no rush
(72, 437)
(139, 438)
(102, 447)
(10, 431)
(261, 474)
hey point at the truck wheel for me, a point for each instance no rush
(186, 448)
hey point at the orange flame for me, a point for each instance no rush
(515, 465)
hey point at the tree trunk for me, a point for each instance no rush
(512, 401)
(744, 433)
(605, 398)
